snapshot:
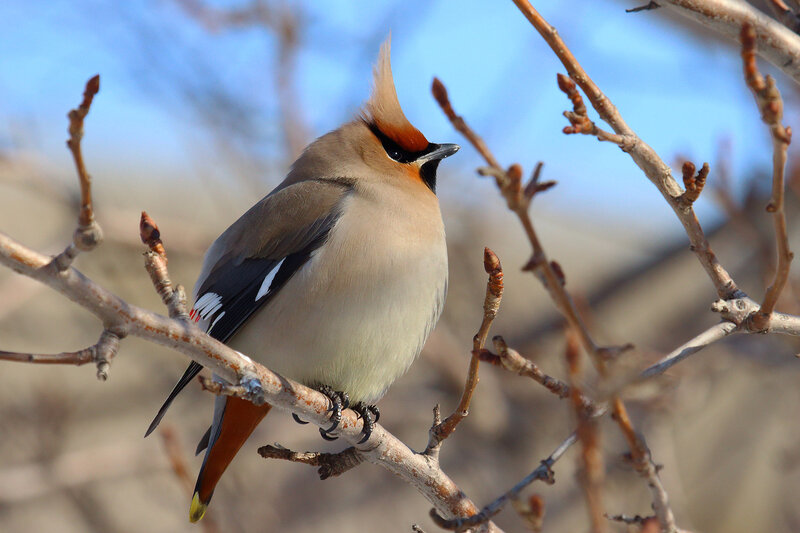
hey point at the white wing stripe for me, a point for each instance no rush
(222, 314)
(264, 289)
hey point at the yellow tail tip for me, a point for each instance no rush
(198, 508)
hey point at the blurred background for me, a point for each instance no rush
(203, 106)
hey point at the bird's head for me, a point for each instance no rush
(381, 144)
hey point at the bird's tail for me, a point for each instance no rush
(234, 421)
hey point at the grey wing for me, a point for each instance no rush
(255, 257)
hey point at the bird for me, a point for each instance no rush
(334, 279)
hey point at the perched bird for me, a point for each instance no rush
(334, 279)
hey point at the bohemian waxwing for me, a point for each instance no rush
(334, 279)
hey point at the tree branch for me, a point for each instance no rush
(770, 104)
(491, 304)
(777, 44)
(643, 155)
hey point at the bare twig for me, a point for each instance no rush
(518, 199)
(330, 464)
(491, 304)
(100, 353)
(512, 361)
(769, 102)
(592, 474)
(543, 472)
(155, 262)
(709, 336)
(643, 464)
(88, 233)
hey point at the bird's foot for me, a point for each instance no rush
(370, 415)
(339, 402)
(298, 420)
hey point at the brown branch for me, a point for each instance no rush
(509, 181)
(693, 183)
(658, 173)
(770, 104)
(491, 304)
(515, 363)
(101, 353)
(330, 464)
(155, 262)
(644, 466)
(440, 94)
(174, 452)
(592, 474)
(531, 512)
(88, 233)
(643, 155)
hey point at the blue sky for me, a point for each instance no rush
(681, 96)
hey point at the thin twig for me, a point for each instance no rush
(518, 199)
(709, 336)
(643, 464)
(330, 464)
(770, 104)
(155, 262)
(101, 353)
(543, 472)
(592, 474)
(491, 304)
(88, 233)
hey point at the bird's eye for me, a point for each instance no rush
(395, 154)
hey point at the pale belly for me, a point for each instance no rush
(356, 315)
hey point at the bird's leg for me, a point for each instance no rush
(370, 414)
(339, 401)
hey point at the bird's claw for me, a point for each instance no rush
(370, 415)
(339, 402)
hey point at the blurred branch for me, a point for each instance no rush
(709, 336)
(285, 25)
(777, 44)
(592, 472)
(770, 104)
(174, 452)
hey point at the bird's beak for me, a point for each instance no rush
(440, 151)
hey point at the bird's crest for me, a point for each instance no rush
(383, 109)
